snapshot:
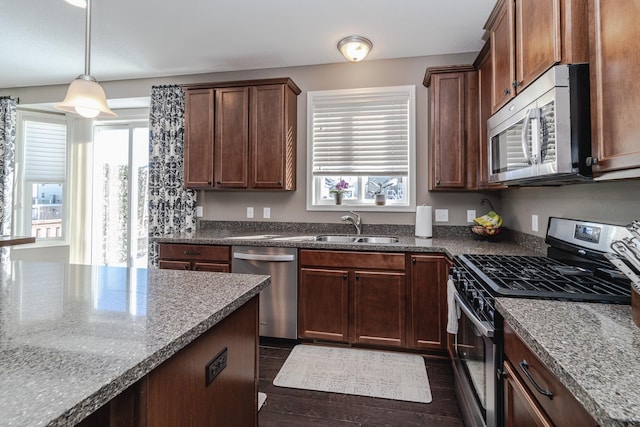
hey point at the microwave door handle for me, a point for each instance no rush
(525, 130)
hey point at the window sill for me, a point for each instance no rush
(42, 244)
(360, 208)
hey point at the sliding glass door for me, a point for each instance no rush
(120, 180)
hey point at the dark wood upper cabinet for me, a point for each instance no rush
(485, 91)
(453, 127)
(614, 38)
(198, 138)
(241, 135)
(528, 37)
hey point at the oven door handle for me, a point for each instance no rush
(485, 328)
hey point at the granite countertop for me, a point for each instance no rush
(449, 245)
(594, 349)
(72, 337)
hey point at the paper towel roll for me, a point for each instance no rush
(424, 221)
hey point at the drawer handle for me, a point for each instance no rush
(192, 252)
(525, 368)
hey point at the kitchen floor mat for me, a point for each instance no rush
(371, 373)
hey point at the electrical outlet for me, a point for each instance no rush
(199, 211)
(534, 222)
(442, 215)
(249, 212)
(471, 215)
(266, 213)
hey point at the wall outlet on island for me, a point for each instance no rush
(266, 213)
(442, 215)
(250, 212)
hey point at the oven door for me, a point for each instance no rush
(475, 362)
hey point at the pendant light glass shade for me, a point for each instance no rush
(85, 96)
(355, 48)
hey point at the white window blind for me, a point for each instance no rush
(45, 152)
(361, 133)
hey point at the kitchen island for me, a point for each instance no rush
(74, 338)
(591, 348)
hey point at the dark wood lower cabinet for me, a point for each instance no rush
(176, 392)
(323, 304)
(352, 297)
(533, 395)
(428, 302)
(379, 308)
(173, 256)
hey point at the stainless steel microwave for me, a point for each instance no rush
(543, 135)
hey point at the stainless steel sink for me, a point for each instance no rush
(356, 239)
(378, 239)
(336, 239)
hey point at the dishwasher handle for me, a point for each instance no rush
(264, 257)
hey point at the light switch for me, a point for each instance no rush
(199, 212)
(442, 215)
(266, 213)
(249, 212)
(534, 222)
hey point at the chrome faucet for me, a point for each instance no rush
(355, 220)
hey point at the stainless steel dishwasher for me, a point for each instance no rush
(279, 302)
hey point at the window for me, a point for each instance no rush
(366, 139)
(41, 183)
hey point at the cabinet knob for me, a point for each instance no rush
(357, 277)
(516, 83)
(413, 260)
(279, 183)
(507, 91)
(218, 183)
(591, 161)
(208, 182)
(344, 276)
(438, 182)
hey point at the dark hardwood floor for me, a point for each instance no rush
(292, 407)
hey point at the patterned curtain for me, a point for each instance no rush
(7, 160)
(171, 207)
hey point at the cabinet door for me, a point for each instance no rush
(614, 38)
(198, 138)
(379, 308)
(323, 304)
(174, 265)
(232, 137)
(502, 55)
(520, 410)
(268, 136)
(447, 131)
(537, 39)
(428, 299)
(211, 266)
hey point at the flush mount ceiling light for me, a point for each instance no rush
(355, 48)
(85, 96)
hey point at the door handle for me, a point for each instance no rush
(265, 257)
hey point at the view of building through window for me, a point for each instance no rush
(46, 210)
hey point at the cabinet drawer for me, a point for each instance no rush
(562, 408)
(345, 259)
(194, 252)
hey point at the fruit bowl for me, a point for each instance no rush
(484, 233)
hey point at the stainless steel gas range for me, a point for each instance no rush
(575, 269)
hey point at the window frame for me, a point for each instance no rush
(315, 204)
(23, 191)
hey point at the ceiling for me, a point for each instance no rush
(43, 40)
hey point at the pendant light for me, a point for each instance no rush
(355, 48)
(85, 96)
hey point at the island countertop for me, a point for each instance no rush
(73, 337)
(592, 348)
